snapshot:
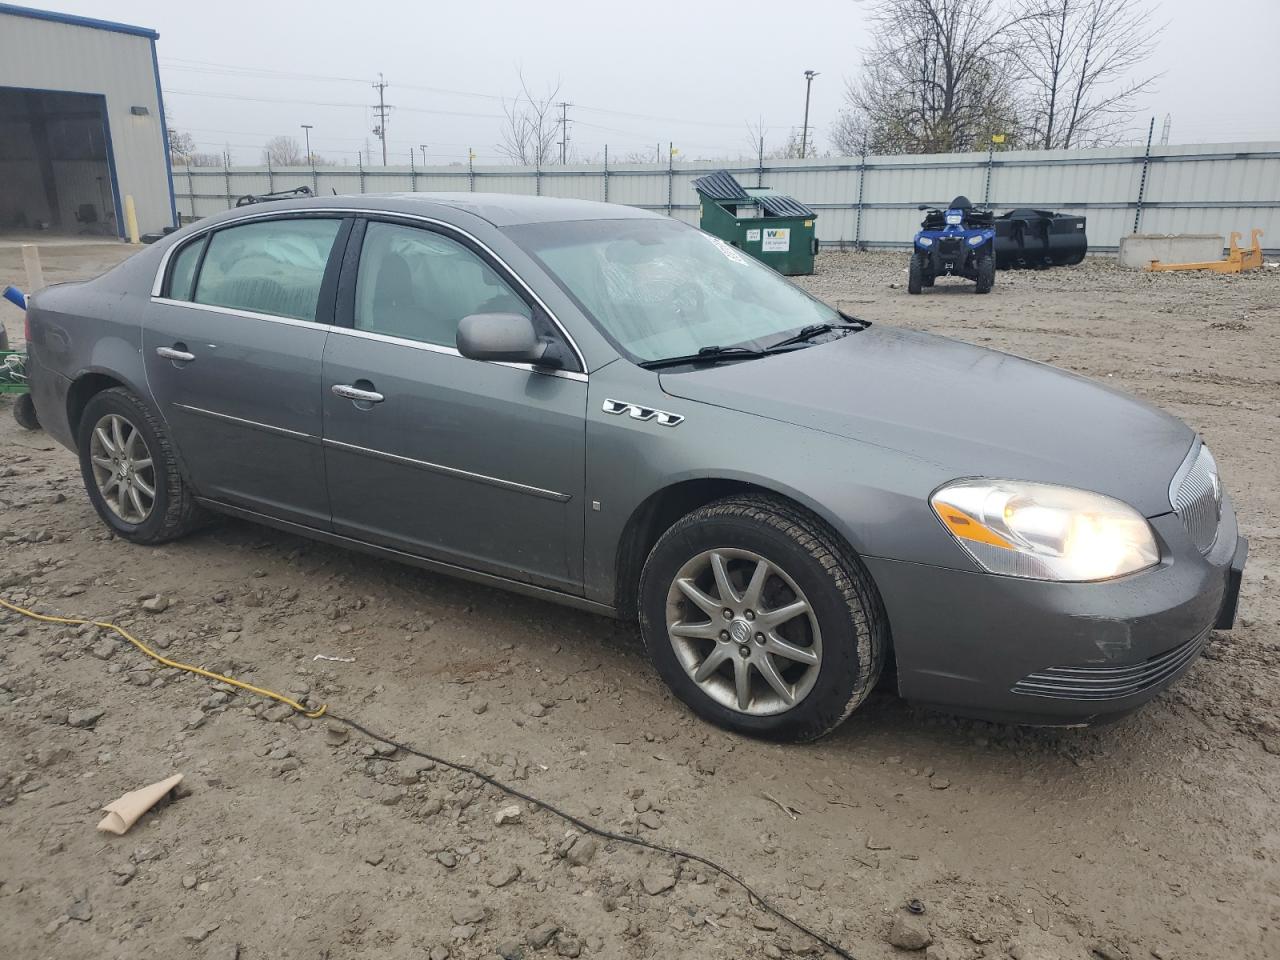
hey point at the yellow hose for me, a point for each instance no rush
(199, 671)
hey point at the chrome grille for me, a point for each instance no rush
(1110, 683)
(1196, 497)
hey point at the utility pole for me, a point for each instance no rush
(423, 148)
(311, 160)
(564, 132)
(382, 110)
(804, 131)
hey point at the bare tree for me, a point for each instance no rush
(939, 77)
(760, 147)
(182, 146)
(183, 152)
(529, 126)
(283, 152)
(1077, 58)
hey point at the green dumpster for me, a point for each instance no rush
(772, 227)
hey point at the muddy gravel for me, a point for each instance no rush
(1154, 837)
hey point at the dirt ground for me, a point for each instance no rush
(1153, 837)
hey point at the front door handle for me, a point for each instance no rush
(349, 392)
(173, 353)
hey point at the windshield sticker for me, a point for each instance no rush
(729, 252)
(777, 240)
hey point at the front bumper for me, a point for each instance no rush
(1032, 651)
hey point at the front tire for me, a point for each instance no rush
(761, 620)
(915, 275)
(986, 271)
(131, 472)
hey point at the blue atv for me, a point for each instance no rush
(957, 242)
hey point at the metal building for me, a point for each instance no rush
(82, 126)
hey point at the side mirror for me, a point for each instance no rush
(505, 338)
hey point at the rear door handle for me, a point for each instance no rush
(172, 353)
(355, 393)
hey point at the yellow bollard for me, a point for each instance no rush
(131, 218)
(31, 262)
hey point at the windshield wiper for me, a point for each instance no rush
(705, 355)
(803, 334)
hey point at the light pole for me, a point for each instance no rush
(804, 131)
(306, 132)
(423, 148)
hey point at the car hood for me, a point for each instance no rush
(967, 410)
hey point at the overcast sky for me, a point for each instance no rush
(637, 74)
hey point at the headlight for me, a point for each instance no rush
(955, 219)
(974, 241)
(1045, 532)
(925, 241)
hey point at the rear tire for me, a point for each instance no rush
(915, 275)
(986, 270)
(131, 471)
(805, 672)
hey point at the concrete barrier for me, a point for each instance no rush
(1139, 249)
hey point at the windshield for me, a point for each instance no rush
(660, 288)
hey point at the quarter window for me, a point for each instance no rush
(417, 284)
(182, 274)
(274, 267)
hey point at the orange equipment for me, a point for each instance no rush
(1238, 259)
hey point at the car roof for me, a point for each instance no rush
(499, 209)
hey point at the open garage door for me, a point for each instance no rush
(56, 171)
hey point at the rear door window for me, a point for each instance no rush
(274, 267)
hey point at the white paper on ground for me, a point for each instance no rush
(128, 810)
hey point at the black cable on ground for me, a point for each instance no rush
(460, 767)
(599, 831)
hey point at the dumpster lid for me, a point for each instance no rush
(720, 186)
(779, 204)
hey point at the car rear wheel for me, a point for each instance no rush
(761, 620)
(130, 471)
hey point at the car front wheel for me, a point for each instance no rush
(761, 620)
(130, 470)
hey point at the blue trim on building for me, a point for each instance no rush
(164, 133)
(111, 167)
(54, 17)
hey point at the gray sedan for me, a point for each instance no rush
(605, 408)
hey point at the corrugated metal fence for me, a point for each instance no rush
(1212, 189)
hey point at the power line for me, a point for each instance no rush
(264, 73)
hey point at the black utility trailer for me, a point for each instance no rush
(1033, 239)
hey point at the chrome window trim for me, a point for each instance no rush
(248, 314)
(158, 285)
(452, 352)
(452, 471)
(269, 428)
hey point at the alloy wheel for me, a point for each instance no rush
(744, 631)
(123, 468)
